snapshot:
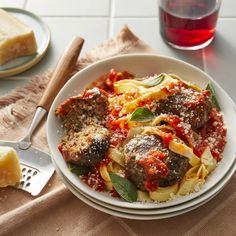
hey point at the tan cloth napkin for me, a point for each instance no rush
(57, 211)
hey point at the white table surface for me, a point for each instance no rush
(96, 20)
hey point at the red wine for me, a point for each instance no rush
(192, 29)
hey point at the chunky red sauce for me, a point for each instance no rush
(154, 167)
(118, 127)
(112, 77)
(94, 180)
(118, 130)
(148, 103)
(153, 164)
(118, 137)
(182, 130)
(151, 185)
(166, 137)
(174, 88)
(213, 135)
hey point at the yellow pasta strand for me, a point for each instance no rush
(190, 185)
(104, 173)
(163, 194)
(196, 176)
(116, 156)
(157, 95)
(145, 93)
(208, 160)
(143, 196)
(184, 150)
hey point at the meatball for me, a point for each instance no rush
(139, 163)
(87, 139)
(86, 147)
(193, 106)
(84, 109)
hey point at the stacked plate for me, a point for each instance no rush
(144, 211)
(148, 211)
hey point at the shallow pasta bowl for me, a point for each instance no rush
(150, 214)
(142, 65)
(159, 212)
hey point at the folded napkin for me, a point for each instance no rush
(57, 211)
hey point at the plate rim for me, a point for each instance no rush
(27, 65)
(134, 216)
(213, 192)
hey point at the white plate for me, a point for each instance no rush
(42, 35)
(178, 208)
(141, 65)
(134, 215)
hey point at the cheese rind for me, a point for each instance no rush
(16, 39)
(10, 171)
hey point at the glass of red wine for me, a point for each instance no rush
(188, 24)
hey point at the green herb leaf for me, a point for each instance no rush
(153, 81)
(79, 170)
(215, 103)
(142, 114)
(126, 189)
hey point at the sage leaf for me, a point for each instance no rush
(142, 114)
(126, 189)
(150, 82)
(79, 170)
(215, 103)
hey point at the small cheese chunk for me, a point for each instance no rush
(16, 39)
(10, 171)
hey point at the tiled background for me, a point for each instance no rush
(96, 20)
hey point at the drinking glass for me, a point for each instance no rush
(188, 24)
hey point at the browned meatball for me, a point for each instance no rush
(86, 147)
(85, 109)
(193, 106)
(137, 151)
(86, 140)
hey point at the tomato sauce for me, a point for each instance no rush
(94, 180)
(148, 103)
(151, 185)
(118, 127)
(154, 168)
(167, 138)
(153, 164)
(182, 130)
(213, 135)
(112, 77)
(173, 88)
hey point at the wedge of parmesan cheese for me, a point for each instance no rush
(16, 39)
(10, 171)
